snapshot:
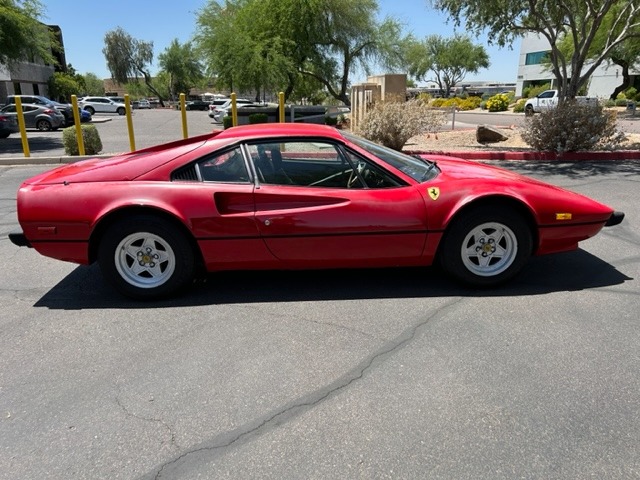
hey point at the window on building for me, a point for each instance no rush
(36, 89)
(17, 89)
(536, 58)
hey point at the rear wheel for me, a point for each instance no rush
(145, 257)
(486, 246)
(43, 125)
(91, 110)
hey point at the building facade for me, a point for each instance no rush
(532, 71)
(31, 76)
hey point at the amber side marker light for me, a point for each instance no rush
(563, 216)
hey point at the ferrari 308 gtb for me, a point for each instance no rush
(294, 196)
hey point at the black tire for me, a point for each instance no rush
(486, 246)
(43, 125)
(91, 110)
(5, 134)
(145, 257)
(528, 111)
(121, 111)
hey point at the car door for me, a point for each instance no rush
(315, 209)
(217, 192)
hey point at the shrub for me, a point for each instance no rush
(227, 122)
(572, 126)
(258, 118)
(631, 92)
(393, 123)
(621, 102)
(90, 138)
(333, 121)
(519, 106)
(498, 103)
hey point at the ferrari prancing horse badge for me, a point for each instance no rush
(434, 192)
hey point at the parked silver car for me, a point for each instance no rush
(102, 105)
(40, 117)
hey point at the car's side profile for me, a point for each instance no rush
(102, 105)
(40, 117)
(294, 196)
(225, 107)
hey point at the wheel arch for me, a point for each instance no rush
(497, 201)
(126, 212)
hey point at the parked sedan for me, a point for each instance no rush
(8, 125)
(295, 196)
(197, 105)
(37, 116)
(215, 111)
(143, 103)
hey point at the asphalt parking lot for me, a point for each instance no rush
(351, 374)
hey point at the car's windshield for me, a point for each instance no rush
(419, 169)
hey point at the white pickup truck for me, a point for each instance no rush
(547, 100)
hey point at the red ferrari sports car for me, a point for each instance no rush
(294, 196)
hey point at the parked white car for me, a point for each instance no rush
(144, 103)
(214, 110)
(102, 105)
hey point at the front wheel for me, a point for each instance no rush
(528, 111)
(486, 246)
(145, 258)
(121, 111)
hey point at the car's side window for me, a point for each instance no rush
(302, 163)
(228, 166)
(372, 175)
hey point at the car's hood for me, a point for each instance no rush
(460, 169)
(124, 167)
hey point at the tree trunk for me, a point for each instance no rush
(626, 79)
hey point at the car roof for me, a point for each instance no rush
(260, 130)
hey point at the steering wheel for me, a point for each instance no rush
(353, 177)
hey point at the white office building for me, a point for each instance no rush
(532, 72)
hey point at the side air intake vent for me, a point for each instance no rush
(186, 174)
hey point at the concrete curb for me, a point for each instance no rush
(625, 155)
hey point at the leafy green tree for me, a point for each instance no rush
(22, 35)
(62, 86)
(448, 59)
(269, 43)
(181, 64)
(626, 54)
(505, 20)
(128, 58)
(92, 85)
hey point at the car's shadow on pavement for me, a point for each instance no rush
(37, 144)
(84, 288)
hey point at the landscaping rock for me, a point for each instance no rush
(489, 134)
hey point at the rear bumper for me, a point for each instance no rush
(18, 238)
(614, 219)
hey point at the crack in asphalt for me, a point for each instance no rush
(126, 411)
(301, 405)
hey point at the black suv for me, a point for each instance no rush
(64, 108)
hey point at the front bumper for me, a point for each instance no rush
(614, 219)
(18, 238)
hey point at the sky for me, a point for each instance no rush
(84, 24)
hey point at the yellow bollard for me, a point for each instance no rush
(281, 107)
(234, 111)
(127, 106)
(23, 129)
(183, 109)
(78, 127)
